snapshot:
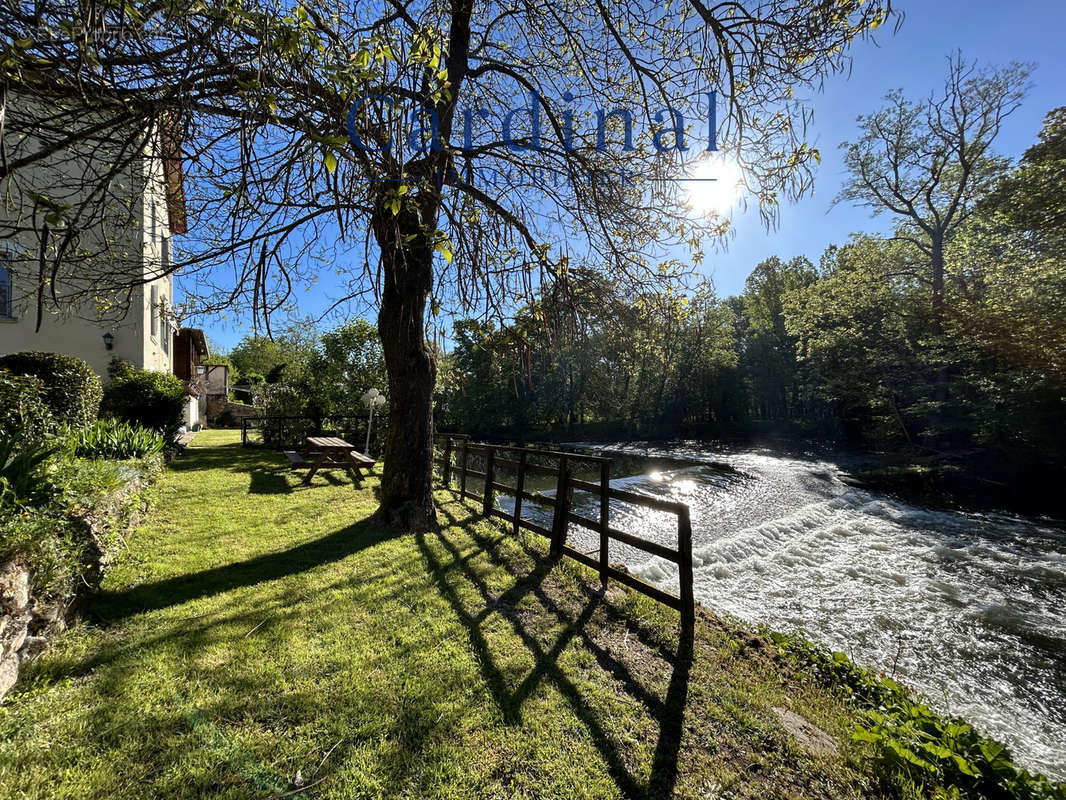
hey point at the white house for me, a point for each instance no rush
(125, 229)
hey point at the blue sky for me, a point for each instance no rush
(914, 60)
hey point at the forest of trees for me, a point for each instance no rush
(944, 342)
(866, 348)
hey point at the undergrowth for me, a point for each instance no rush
(917, 752)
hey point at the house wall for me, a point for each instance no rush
(216, 379)
(129, 237)
(194, 411)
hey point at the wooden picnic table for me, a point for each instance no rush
(330, 452)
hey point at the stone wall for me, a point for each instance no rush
(218, 405)
(28, 622)
(23, 625)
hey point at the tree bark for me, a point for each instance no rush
(407, 268)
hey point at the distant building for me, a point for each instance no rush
(190, 349)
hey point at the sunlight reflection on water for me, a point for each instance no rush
(968, 608)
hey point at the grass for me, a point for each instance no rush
(262, 638)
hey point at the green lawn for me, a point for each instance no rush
(261, 637)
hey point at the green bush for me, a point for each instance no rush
(113, 439)
(23, 409)
(154, 400)
(120, 368)
(70, 387)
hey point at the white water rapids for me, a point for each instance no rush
(969, 609)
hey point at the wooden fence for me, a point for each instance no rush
(454, 460)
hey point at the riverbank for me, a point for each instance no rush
(949, 482)
(262, 639)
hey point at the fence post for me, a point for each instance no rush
(684, 550)
(520, 486)
(244, 431)
(562, 507)
(490, 477)
(462, 473)
(446, 467)
(605, 518)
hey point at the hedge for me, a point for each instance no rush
(153, 400)
(23, 408)
(70, 387)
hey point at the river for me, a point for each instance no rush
(968, 608)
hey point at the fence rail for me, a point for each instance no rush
(455, 460)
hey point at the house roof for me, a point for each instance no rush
(174, 176)
(197, 337)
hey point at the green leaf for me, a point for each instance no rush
(331, 163)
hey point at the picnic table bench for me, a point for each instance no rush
(329, 452)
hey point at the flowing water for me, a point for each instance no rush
(967, 608)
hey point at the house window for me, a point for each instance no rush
(165, 253)
(155, 311)
(5, 293)
(165, 339)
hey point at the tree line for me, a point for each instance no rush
(879, 344)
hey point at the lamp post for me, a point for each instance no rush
(372, 398)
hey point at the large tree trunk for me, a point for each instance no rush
(407, 267)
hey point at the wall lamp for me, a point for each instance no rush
(109, 340)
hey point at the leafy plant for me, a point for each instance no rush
(70, 388)
(153, 400)
(917, 751)
(22, 465)
(113, 439)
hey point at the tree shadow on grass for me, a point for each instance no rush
(113, 606)
(667, 712)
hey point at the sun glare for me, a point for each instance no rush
(713, 185)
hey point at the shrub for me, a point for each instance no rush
(120, 368)
(113, 439)
(915, 750)
(70, 388)
(285, 400)
(153, 400)
(23, 409)
(22, 467)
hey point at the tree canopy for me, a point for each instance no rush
(259, 95)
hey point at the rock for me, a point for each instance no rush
(808, 735)
(9, 673)
(13, 634)
(32, 647)
(48, 617)
(14, 587)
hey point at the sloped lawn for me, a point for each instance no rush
(262, 640)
